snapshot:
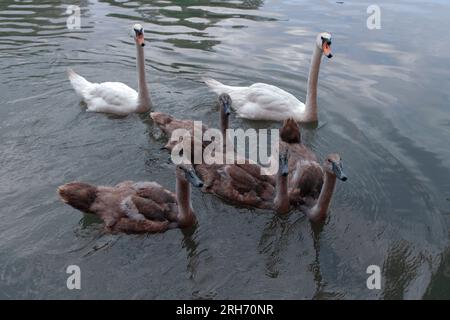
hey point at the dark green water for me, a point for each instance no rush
(384, 106)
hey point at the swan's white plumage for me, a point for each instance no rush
(260, 101)
(107, 97)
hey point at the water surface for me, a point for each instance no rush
(383, 103)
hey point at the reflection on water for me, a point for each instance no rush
(383, 107)
(183, 24)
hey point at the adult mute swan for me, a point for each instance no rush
(116, 97)
(262, 101)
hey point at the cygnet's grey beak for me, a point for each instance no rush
(193, 178)
(339, 171)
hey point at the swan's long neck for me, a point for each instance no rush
(144, 101)
(186, 217)
(281, 201)
(223, 124)
(311, 94)
(320, 209)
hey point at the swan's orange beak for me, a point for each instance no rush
(326, 48)
(140, 39)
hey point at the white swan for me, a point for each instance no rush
(116, 97)
(262, 101)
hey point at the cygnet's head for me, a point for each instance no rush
(333, 165)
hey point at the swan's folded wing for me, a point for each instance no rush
(272, 98)
(111, 94)
(250, 198)
(129, 208)
(155, 192)
(307, 179)
(267, 102)
(145, 226)
(240, 179)
(255, 171)
(248, 181)
(169, 124)
(152, 210)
